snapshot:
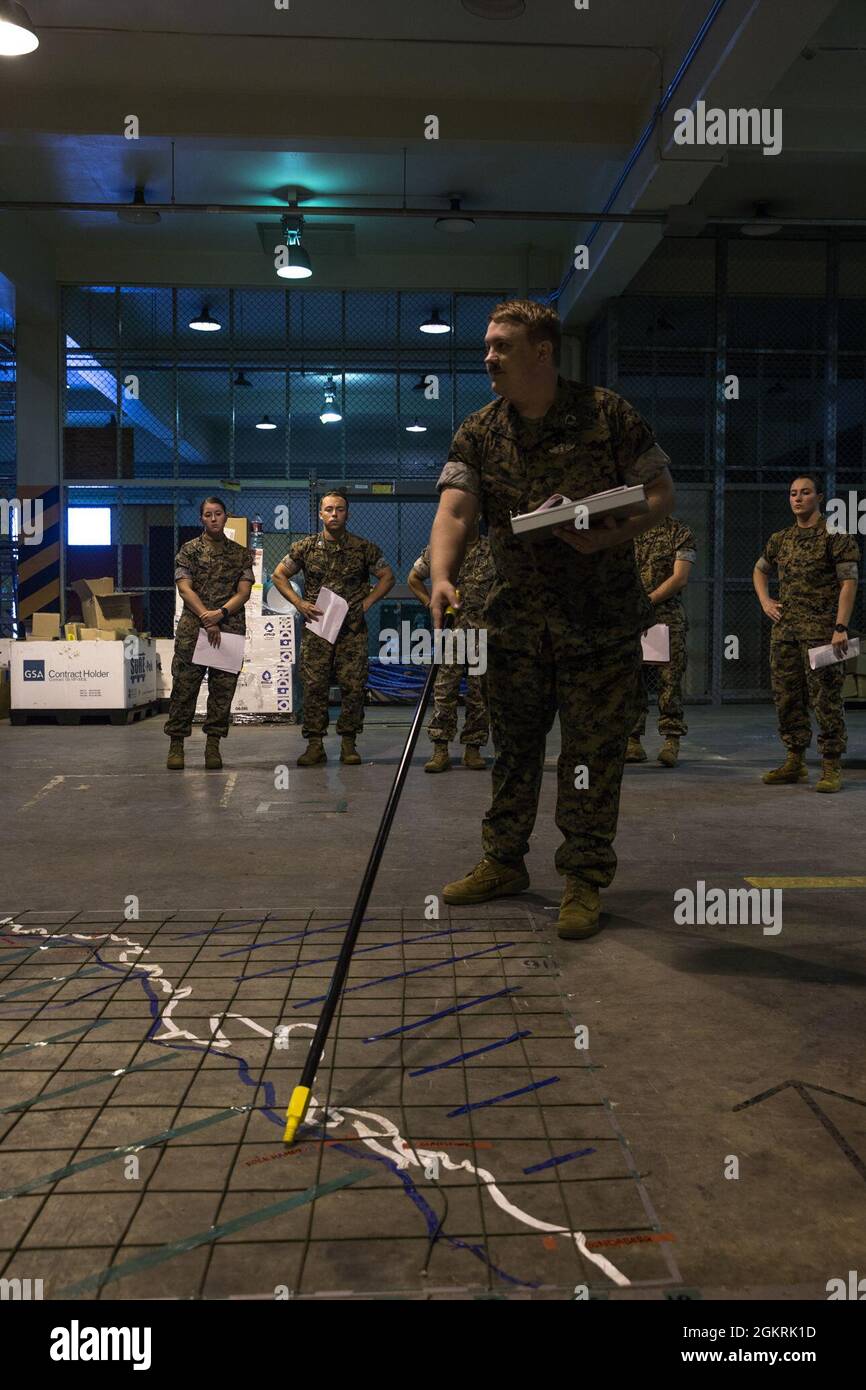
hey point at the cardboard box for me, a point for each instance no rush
(83, 675)
(103, 606)
(98, 634)
(238, 529)
(72, 632)
(44, 627)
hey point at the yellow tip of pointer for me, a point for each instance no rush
(296, 1112)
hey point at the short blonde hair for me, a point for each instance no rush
(541, 322)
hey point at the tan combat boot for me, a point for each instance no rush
(315, 754)
(441, 759)
(175, 755)
(472, 758)
(489, 879)
(831, 776)
(348, 751)
(579, 910)
(669, 752)
(635, 752)
(793, 769)
(212, 760)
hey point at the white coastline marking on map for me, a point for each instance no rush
(400, 1151)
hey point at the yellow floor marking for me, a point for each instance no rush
(854, 881)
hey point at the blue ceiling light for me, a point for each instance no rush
(434, 324)
(295, 261)
(203, 323)
(266, 423)
(17, 35)
(330, 414)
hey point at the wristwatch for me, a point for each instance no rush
(225, 612)
(840, 627)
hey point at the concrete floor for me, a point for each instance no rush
(685, 1024)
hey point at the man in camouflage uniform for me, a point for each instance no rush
(214, 577)
(337, 560)
(565, 613)
(817, 572)
(473, 583)
(665, 556)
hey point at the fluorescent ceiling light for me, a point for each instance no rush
(17, 35)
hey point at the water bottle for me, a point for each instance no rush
(257, 541)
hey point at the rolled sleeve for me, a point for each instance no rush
(684, 544)
(463, 469)
(182, 565)
(647, 466)
(422, 564)
(763, 565)
(846, 555)
(767, 563)
(684, 554)
(848, 569)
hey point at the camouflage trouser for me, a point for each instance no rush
(443, 726)
(670, 691)
(596, 696)
(185, 682)
(796, 688)
(347, 660)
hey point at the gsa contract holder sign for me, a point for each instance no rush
(83, 675)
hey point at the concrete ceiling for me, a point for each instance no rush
(537, 113)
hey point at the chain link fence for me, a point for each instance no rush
(747, 359)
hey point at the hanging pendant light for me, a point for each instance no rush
(295, 261)
(266, 423)
(17, 35)
(416, 427)
(242, 379)
(434, 324)
(204, 323)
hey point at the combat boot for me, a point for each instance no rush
(441, 760)
(669, 752)
(175, 755)
(635, 752)
(348, 751)
(315, 754)
(793, 769)
(579, 910)
(831, 776)
(489, 879)
(472, 758)
(212, 760)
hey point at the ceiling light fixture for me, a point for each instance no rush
(294, 261)
(204, 323)
(17, 35)
(455, 221)
(763, 224)
(266, 423)
(241, 379)
(139, 215)
(330, 415)
(416, 427)
(434, 324)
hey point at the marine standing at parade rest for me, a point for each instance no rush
(473, 584)
(817, 586)
(336, 560)
(214, 577)
(565, 613)
(665, 556)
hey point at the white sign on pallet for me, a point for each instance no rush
(83, 675)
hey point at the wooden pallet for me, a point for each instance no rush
(20, 717)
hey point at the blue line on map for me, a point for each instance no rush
(508, 1095)
(463, 1056)
(443, 1013)
(560, 1158)
(401, 974)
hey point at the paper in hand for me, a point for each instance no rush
(333, 609)
(228, 656)
(828, 655)
(656, 645)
